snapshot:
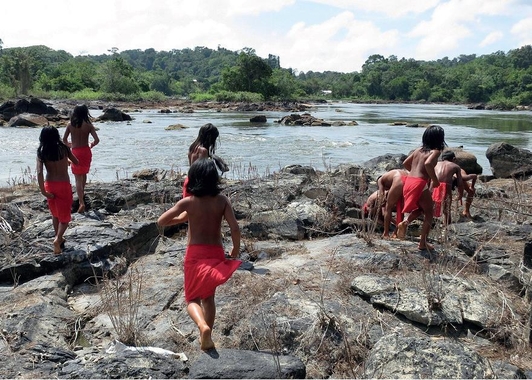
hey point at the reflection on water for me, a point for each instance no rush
(260, 149)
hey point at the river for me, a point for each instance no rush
(259, 149)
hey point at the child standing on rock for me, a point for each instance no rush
(419, 182)
(54, 155)
(80, 127)
(205, 264)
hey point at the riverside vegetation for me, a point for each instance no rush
(501, 80)
(320, 294)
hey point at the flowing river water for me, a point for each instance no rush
(259, 149)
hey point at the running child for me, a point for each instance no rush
(205, 264)
(54, 155)
(80, 127)
(421, 178)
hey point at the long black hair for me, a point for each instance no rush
(203, 178)
(434, 138)
(207, 136)
(51, 147)
(79, 115)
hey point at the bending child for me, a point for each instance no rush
(54, 155)
(417, 185)
(205, 264)
(80, 127)
(392, 183)
(446, 170)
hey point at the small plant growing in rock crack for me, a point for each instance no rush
(121, 299)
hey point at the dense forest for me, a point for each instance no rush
(501, 80)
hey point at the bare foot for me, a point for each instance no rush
(57, 247)
(62, 245)
(466, 215)
(401, 230)
(206, 342)
(81, 209)
(426, 247)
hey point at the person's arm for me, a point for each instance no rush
(66, 134)
(430, 164)
(229, 216)
(72, 158)
(459, 182)
(172, 216)
(408, 162)
(40, 179)
(95, 137)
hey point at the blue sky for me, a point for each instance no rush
(307, 35)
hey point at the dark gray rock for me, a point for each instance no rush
(241, 364)
(508, 161)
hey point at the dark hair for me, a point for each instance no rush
(79, 115)
(51, 147)
(207, 136)
(434, 138)
(203, 178)
(448, 155)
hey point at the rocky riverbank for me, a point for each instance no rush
(320, 293)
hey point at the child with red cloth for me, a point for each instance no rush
(80, 127)
(446, 170)
(205, 264)
(419, 182)
(54, 155)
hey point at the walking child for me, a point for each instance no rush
(54, 155)
(421, 178)
(205, 264)
(204, 146)
(80, 127)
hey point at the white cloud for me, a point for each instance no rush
(492, 38)
(452, 22)
(523, 31)
(391, 8)
(341, 43)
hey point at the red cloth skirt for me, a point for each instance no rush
(61, 205)
(84, 156)
(185, 192)
(438, 196)
(206, 268)
(412, 189)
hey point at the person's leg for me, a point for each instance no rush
(426, 204)
(394, 194)
(80, 190)
(402, 227)
(55, 222)
(209, 310)
(59, 237)
(195, 311)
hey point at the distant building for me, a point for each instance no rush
(326, 92)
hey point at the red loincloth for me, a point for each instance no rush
(61, 204)
(185, 191)
(84, 156)
(206, 268)
(412, 189)
(438, 196)
(365, 210)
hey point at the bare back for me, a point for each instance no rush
(197, 153)
(446, 170)
(421, 164)
(80, 135)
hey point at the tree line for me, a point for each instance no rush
(502, 80)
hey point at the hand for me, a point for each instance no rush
(235, 253)
(48, 195)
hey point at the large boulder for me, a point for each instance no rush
(466, 160)
(507, 161)
(35, 106)
(28, 120)
(113, 114)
